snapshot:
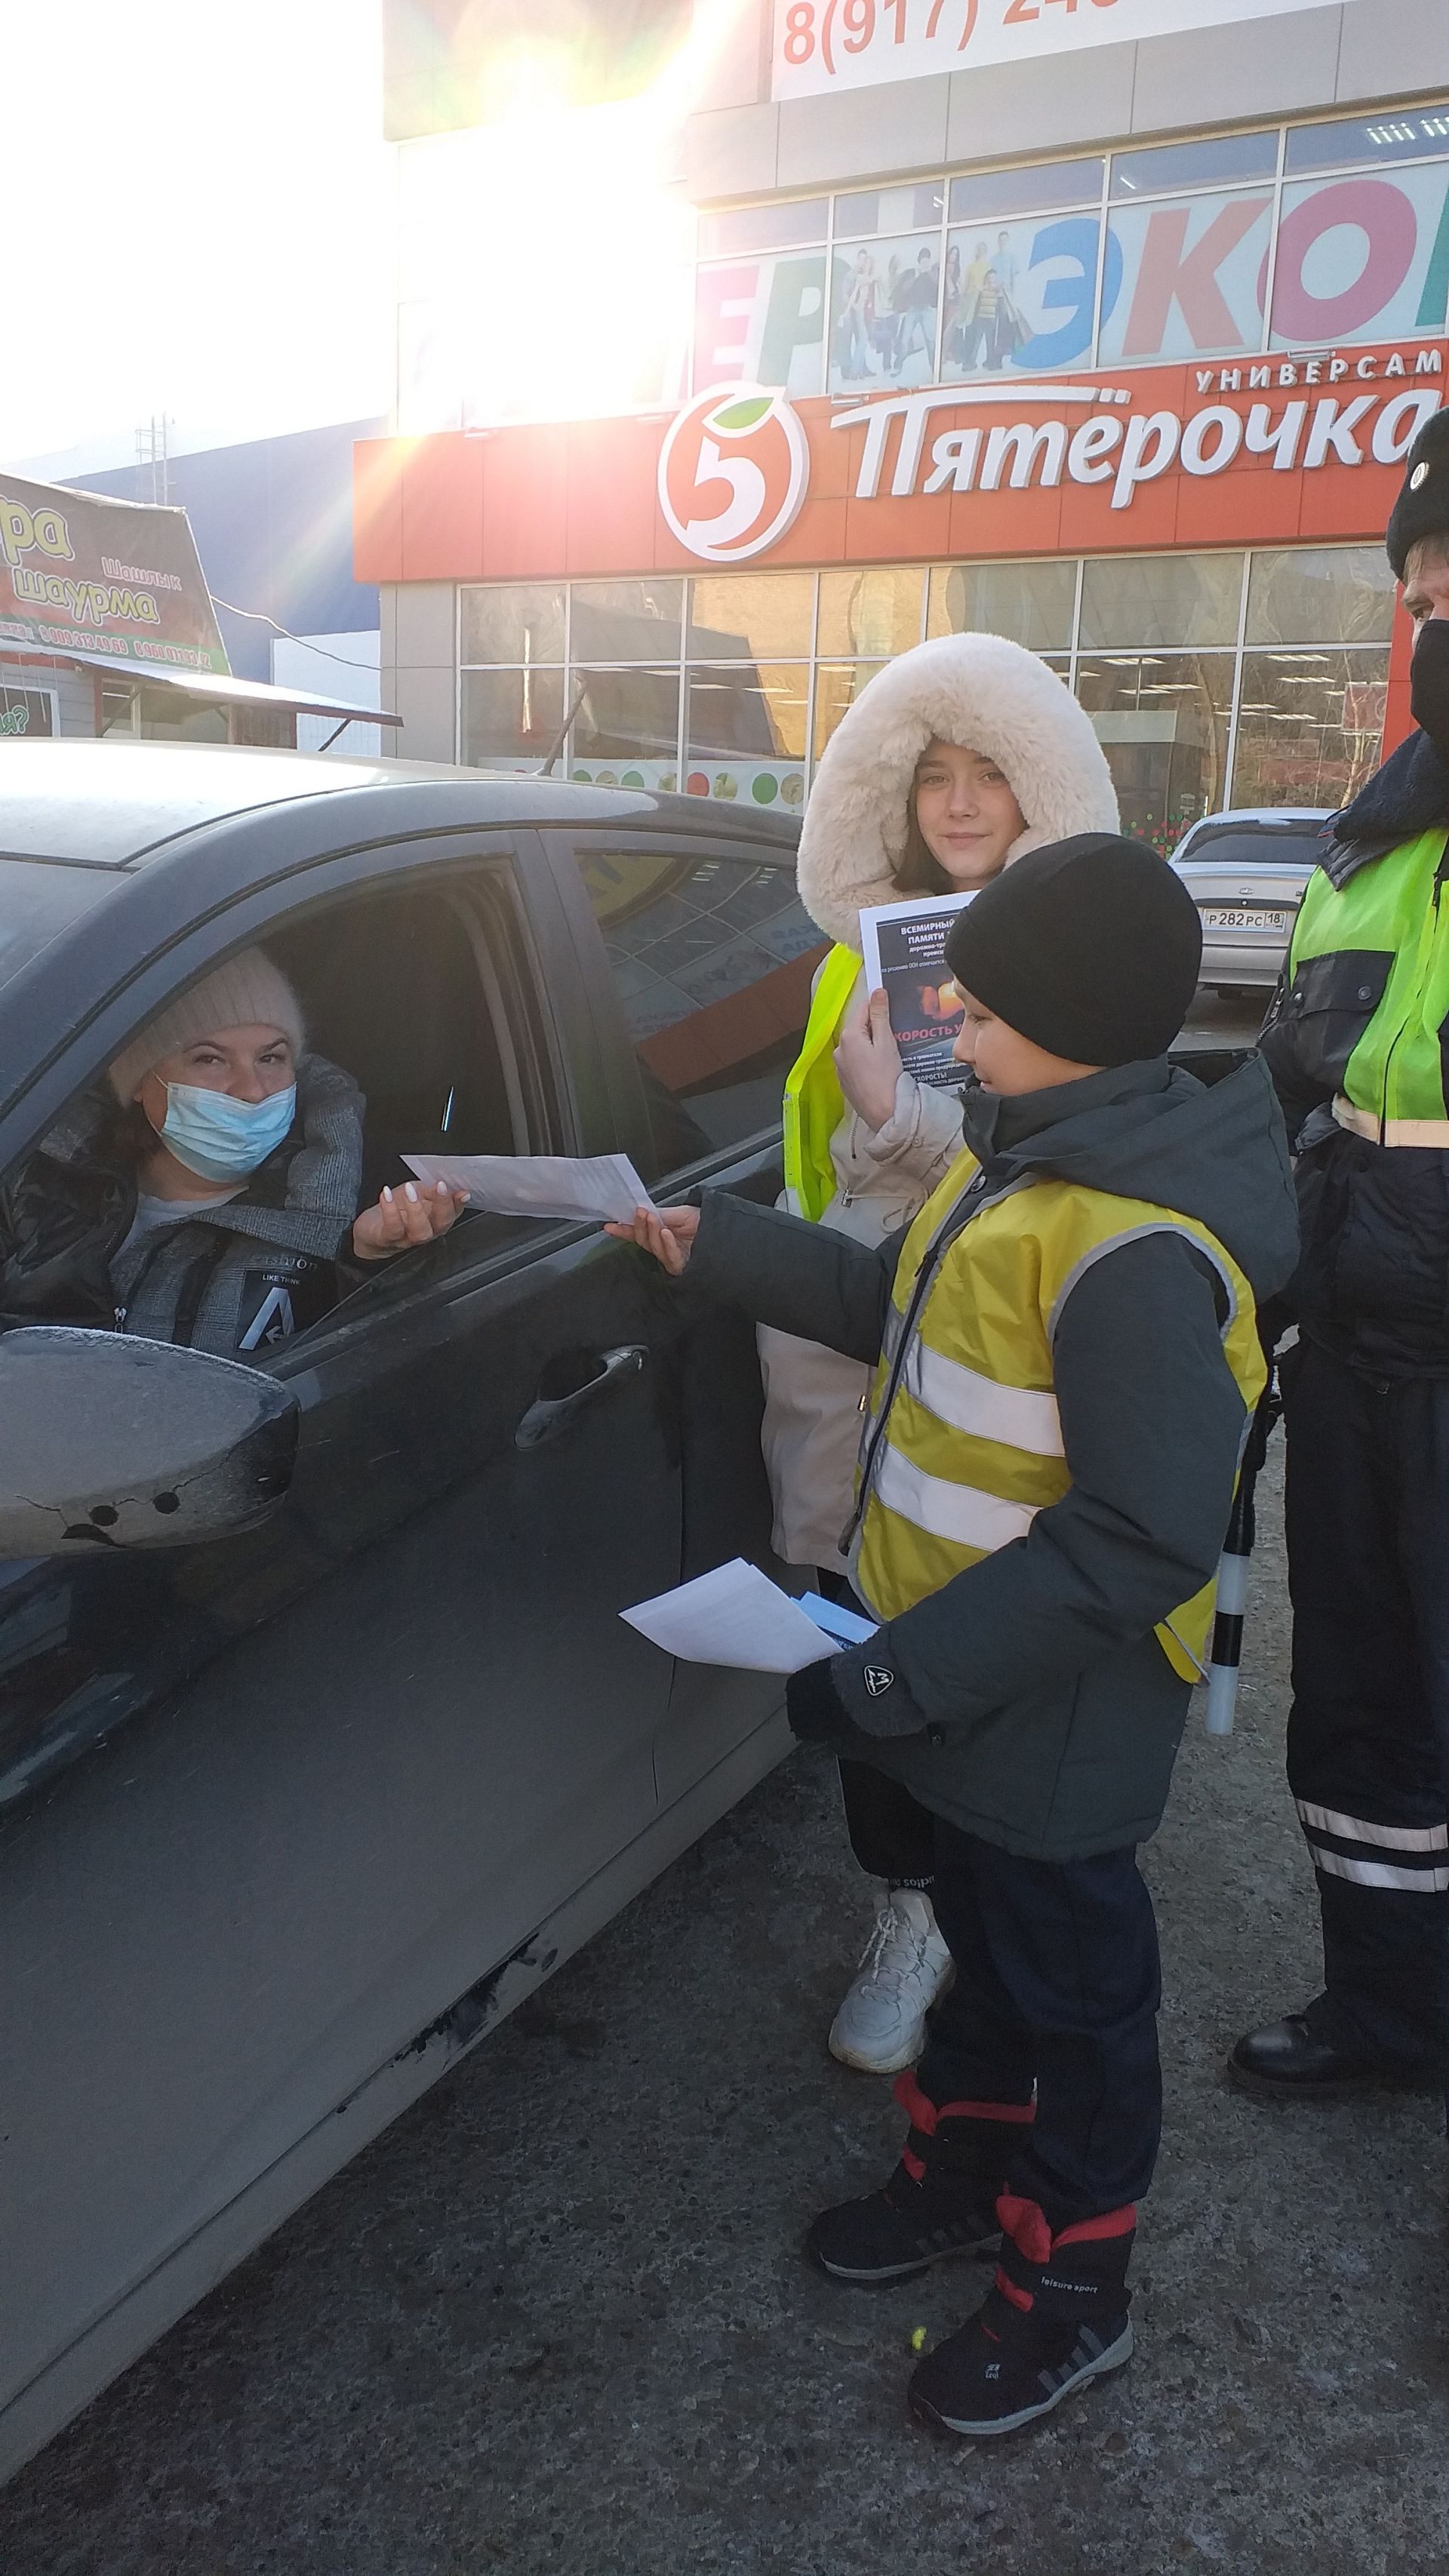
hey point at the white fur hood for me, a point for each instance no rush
(982, 692)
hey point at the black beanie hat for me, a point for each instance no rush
(1089, 947)
(1422, 508)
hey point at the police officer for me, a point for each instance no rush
(1357, 1040)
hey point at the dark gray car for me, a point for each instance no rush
(296, 1810)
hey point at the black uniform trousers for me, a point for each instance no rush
(1368, 1734)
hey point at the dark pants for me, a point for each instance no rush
(1057, 1985)
(891, 1834)
(1368, 1735)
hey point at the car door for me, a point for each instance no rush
(707, 962)
(420, 1726)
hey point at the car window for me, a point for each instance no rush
(711, 954)
(1250, 845)
(411, 991)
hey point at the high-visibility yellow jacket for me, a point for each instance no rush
(1357, 1041)
(814, 1103)
(1064, 1363)
(963, 1445)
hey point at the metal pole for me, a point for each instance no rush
(1227, 1645)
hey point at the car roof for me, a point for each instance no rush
(1265, 814)
(114, 804)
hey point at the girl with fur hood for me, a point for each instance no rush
(959, 757)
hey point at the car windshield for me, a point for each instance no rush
(37, 902)
(1254, 845)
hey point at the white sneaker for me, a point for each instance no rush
(881, 2024)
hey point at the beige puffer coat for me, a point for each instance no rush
(990, 696)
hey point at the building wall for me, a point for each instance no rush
(272, 520)
(552, 505)
(420, 667)
(740, 143)
(71, 695)
(342, 666)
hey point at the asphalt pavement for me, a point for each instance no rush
(557, 2319)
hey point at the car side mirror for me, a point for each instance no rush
(109, 1440)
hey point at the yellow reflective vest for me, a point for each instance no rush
(962, 1445)
(814, 1103)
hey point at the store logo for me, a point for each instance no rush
(732, 473)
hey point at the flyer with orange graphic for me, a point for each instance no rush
(904, 947)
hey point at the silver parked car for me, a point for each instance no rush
(1247, 872)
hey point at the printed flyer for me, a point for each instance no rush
(904, 946)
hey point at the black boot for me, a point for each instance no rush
(941, 2199)
(1288, 2062)
(1055, 2317)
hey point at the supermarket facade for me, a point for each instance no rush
(1005, 346)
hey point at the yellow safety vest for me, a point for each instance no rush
(971, 1448)
(814, 1102)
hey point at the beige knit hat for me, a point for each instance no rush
(248, 991)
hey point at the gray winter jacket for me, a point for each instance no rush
(1028, 1700)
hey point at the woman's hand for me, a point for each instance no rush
(868, 1062)
(666, 1232)
(403, 1217)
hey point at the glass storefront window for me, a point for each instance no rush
(773, 227)
(1038, 270)
(625, 732)
(739, 616)
(625, 621)
(1320, 595)
(874, 613)
(746, 732)
(889, 210)
(1008, 287)
(510, 719)
(884, 298)
(1162, 720)
(1398, 134)
(1008, 192)
(1195, 165)
(1151, 247)
(1309, 726)
(1360, 259)
(1147, 600)
(1030, 602)
(771, 661)
(761, 320)
(513, 622)
(837, 686)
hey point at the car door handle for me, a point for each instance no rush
(551, 1415)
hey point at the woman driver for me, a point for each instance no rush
(206, 1196)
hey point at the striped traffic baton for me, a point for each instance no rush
(1227, 1646)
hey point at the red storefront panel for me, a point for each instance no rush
(1139, 461)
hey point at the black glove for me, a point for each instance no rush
(814, 1707)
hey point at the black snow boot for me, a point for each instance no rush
(941, 2199)
(1054, 2318)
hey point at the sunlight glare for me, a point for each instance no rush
(545, 258)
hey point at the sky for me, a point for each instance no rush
(197, 210)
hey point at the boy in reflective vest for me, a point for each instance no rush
(1067, 1362)
(1357, 1041)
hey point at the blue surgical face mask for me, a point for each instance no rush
(221, 1139)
